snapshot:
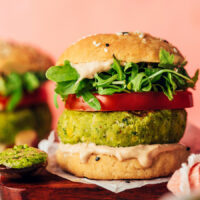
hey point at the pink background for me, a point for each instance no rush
(55, 24)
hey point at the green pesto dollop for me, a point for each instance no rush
(22, 156)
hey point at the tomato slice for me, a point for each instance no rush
(133, 101)
(36, 97)
(3, 101)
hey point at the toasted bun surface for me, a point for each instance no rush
(132, 47)
(22, 58)
(108, 167)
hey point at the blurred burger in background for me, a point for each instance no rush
(24, 115)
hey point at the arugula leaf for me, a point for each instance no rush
(195, 79)
(168, 91)
(55, 100)
(117, 67)
(104, 83)
(82, 85)
(65, 88)
(170, 80)
(119, 82)
(62, 73)
(71, 87)
(91, 100)
(133, 77)
(151, 71)
(163, 89)
(147, 85)
(14, 99)
(14, 82)
(181, 83)
(31, 82)
(169, 71)
(166, 60)
(134, 71)
(110, 91)
(182, 71)
(128, 66)
(136, 83)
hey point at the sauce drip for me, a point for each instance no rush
(145, 154)
(88, 70)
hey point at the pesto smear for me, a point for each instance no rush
(22, 156)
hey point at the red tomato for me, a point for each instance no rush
(3, 101)
(38, 96)
(133, 101)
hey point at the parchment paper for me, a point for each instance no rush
(116, 186)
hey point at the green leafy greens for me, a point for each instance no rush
(14, 85)
(132, 77)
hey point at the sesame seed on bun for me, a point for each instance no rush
(126, 46)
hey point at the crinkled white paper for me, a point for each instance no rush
(116, 186)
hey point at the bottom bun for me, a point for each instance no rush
(107, 167)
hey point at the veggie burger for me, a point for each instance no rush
(24, 114)
(125, 97)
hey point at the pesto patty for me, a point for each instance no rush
(121, 129)
(37, 117)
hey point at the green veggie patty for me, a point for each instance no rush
(22, 156)
(37, 117)
(121, 129)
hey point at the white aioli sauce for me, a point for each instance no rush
(88, 70)
(143, 153)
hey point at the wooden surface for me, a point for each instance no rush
(51, 187)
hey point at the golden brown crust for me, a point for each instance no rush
(132, 47)
(22, 58)
(108, 167)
